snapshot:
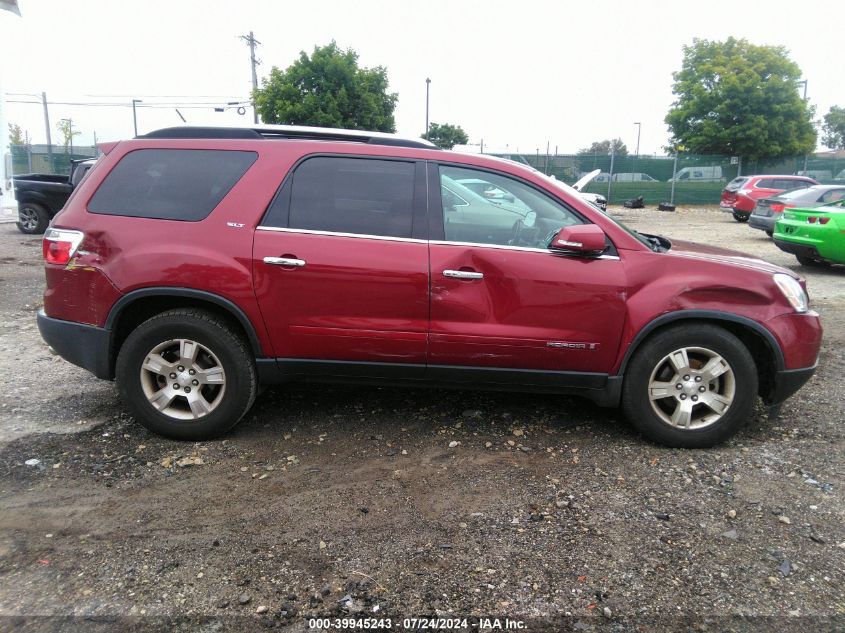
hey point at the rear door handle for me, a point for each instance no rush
(285, 261)
(463, 274)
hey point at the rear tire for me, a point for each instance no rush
(770, 233)
(33, 219)
(718, 386)
(186, 375)
(739, 216)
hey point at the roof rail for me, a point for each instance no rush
(290, 132)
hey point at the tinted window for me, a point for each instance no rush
(833, 195)
(353, 195)
(765, 183)
(170, 184)
(507, 212)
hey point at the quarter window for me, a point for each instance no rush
(170, 184)
(352, 195)
(481, 207)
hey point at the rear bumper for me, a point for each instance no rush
(803, 250)
(85, 346)
(787, 381)
(762, 222)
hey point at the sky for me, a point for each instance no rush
(517, 74)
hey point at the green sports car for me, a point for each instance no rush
(815, 236)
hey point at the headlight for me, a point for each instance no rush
(793, 291)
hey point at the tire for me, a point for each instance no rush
(809, 261)
(33, 219)
(770, 233)
(739, 216)
(156, 357)
(650, 367)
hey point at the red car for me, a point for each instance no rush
(194, 264)
(742, 193)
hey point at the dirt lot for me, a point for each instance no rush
(383, 502)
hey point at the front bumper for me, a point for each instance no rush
(787, 381)
(85, 346)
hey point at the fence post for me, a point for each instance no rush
(674, 175)
(610, 177)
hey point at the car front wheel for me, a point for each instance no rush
(690, 386)
(739, 216)
(186, 375)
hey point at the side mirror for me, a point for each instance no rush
(585, 239)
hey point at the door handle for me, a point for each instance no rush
(285, 261)
(463, 274)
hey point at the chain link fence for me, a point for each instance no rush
(685, 179)
(45, 159)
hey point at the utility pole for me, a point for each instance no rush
(135, 116)
(47, 128)
(250, 39)
(427, 84)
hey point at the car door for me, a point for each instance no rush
(502, 300)
(340, 264)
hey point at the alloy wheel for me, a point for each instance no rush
(691, 388)
(183, 379)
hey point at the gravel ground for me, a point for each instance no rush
(384, 502)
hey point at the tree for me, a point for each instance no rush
(16, 135)
(65, 128)
(328, 89)
(603, 148)
(834, 128)
(739, 99)
(446, 135)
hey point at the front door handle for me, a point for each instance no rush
(463, 274)
(285, 261)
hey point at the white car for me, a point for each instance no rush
(595, 198)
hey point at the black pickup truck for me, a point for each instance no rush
(41, 196)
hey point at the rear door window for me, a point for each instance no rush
(363, 196)
(170, 184)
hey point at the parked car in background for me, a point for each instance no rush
(707, 173)
(41, 196)
(594, 198)
(816, 174)
(195, 264)
(816, 236)
(633, 177)
(487, 190)
(742, 193)
(768, 210)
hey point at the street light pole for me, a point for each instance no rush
(804, 81)
(134, 115)
(427, 85)
(639, 129)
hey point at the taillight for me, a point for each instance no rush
(824, 220)
(60, 245)
(812, 219)
(777, 208)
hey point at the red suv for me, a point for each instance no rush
(742, 193)
(195, 264)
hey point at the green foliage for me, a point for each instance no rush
(834, 128)
(602, 148)
(446, 135)
(16, 134)
(593, 157)
(328, 89)
(65, 128)
(739, 99)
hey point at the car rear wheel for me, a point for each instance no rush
(690, 386)
(32, 218)
(770, 233)
(739, 216)
(186, 375)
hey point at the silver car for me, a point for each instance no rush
(767, 211)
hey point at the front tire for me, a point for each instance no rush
(186, 374)
(33, 219)
(690, 386)
(739, 216)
